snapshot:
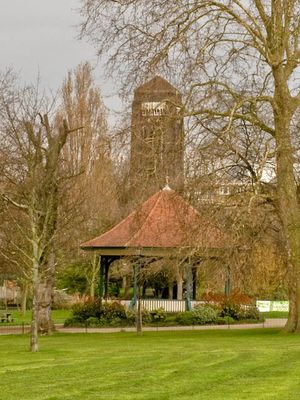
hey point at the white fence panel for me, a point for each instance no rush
(167, 305)
(154, 304)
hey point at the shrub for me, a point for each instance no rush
(131, 316)
(233, 306)
(240, 313)
(235, 297)
(231, 309)
(74, 321)
(94, 310)
(185, 318)
(250, 312)
(111, 311)
(158, 315)
(170, 319)
(92, 321)
(88, 309)
(201, 315)
(92, 313)
(115, 322)
(225, 321)
(212, 297)
(205, 315)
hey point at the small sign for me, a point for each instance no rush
(267, 305)
(279, 306)
(263, 305)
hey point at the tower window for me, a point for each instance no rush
(153, 108)
(224, 191)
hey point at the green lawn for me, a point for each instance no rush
(58, 316)
(275, 314)
(185, 365)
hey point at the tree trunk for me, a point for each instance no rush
(24, 298)
(139, 302)
(288, 206)
(93, 277)
(170, 289)
(45, 297)
(126, 286)
(189, 282)
(179, 286)
(34, 339)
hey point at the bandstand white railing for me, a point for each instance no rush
(167, 305)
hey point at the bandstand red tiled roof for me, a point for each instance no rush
(165, 220)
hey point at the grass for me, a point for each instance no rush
(58, 316)
(182, 365)
(275, 314)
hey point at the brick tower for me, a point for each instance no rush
(156, 139)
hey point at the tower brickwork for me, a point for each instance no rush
(157, 148)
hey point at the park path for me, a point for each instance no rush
(269, 323)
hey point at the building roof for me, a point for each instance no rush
(157, 84)
(166, 221)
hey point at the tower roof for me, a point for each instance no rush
(165, 220)
(157, 84)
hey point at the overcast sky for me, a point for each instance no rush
(39, 37)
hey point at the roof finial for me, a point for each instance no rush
(167, 187)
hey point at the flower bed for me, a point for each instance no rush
(95, 314)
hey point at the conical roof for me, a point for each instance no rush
(165, 220)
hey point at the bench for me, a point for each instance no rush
(6, 317)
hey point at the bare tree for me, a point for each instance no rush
(31, 183)
(237, 62)
(14, 248)
(90, 200)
